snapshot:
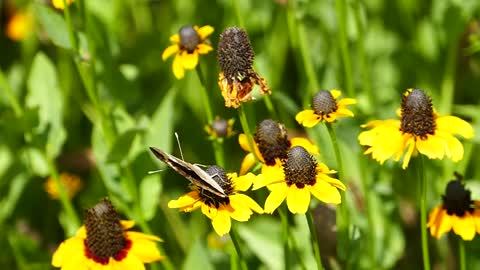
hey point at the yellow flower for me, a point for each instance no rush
(104, 243)
(221, 209)
(295, 180)
(189, 42)
(271, 144)
(458, 212)
(237, 77)
(59, 3)
(325, 108)
(71, 182)
(220, 128)
(419, 130)
(19, 25)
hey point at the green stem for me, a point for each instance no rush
(238, 14)
(423, 213)
(371, 224)
(341, 9)
(217, 146)
(285, 236)
(297, 252)
(64, 199)
(246, 130)
(448, 82)
(238, 249)
(461, 254)
(314, 239)
(10, 95)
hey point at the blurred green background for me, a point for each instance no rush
(98, 124)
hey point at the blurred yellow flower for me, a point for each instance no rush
(19, 25)
(71, 182)
(325, 108)
(189, 42)
(59, 3)
(104, 243)
(458, 212)
(221, 209)
(220, 128)
(419, 130)
(295, 180)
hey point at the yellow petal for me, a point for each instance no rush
(130, 262)
(221, 223)
(250, 203)
(464, 226)
(143, 247)
(335, 93)
(243, 183)
(410, 148)
(241, 211)
(305, 143)
(275, 198)
(454, 148)
(67, 250)
(308, 118)
(170, 50)
(177, 67)
(189, 60)
(126, 224)
(175, 39)
(330, 180)
(433, 147)
(342, 112)
(346, 102)
(203, 48)
(455, 125)
(269, 175)
(325, 192)
(298, 199)
(441, 223)
(205, 31)
(247, 163)
(210, 212)
(185, 200)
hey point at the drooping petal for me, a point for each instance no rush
(464, 226)
(335, 93)
(205, 31)
(330, 180)
(454, 148)
(221, 223)
(439, 222)
(250, 203)
(270, 175)
(343, 112)
(203, 48)
(175, 39)
(247, 163)
(298, 199)
(275, 198)
(144, 247)
(241, 211)
(67, 250)
(177, 67)
(169, 51)
(189, 60)
(308, 118)
(433, 147)
(210, 212)
(410, 145)
(455, 125)
(325, 192)
(185, 200)
(130, 262)
(305, 143)
(346, 101)
(244, 182)
(126, 224)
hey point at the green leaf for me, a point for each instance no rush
(160, 131)
(122, 146)
(8, 203)
(197, 258)
(54, 25)
(150, 189)
(44, 93)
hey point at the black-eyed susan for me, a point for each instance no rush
(59, 3)
(237, 77)
(72, 184)
(220, 128)
(271, 145)
(19, 25)
(104, 243)
(221, 209)
(296, 179)
(419, 130)
(458, 212)
(326, 108)
(189, 43)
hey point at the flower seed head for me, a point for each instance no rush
(300, 168)
(272, 141)
(417, 114)
(457, 199)
(235, 54)
(105, 237)
(324, 103)
(218, 174)
(220, 127)
(189, 38)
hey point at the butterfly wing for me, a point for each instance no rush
(192, 172)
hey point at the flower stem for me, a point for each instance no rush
(10, 95)
(341, 8)
(285, 236)
(448, 82)
(461, 254)
(246, 130)
(238, 14)
(217, 146)
(343, 221)
(238, 249)
(423, 213)
(314, 239)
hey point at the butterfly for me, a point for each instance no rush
(192, 172)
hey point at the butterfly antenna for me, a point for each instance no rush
(179, 146)
(156, 171)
